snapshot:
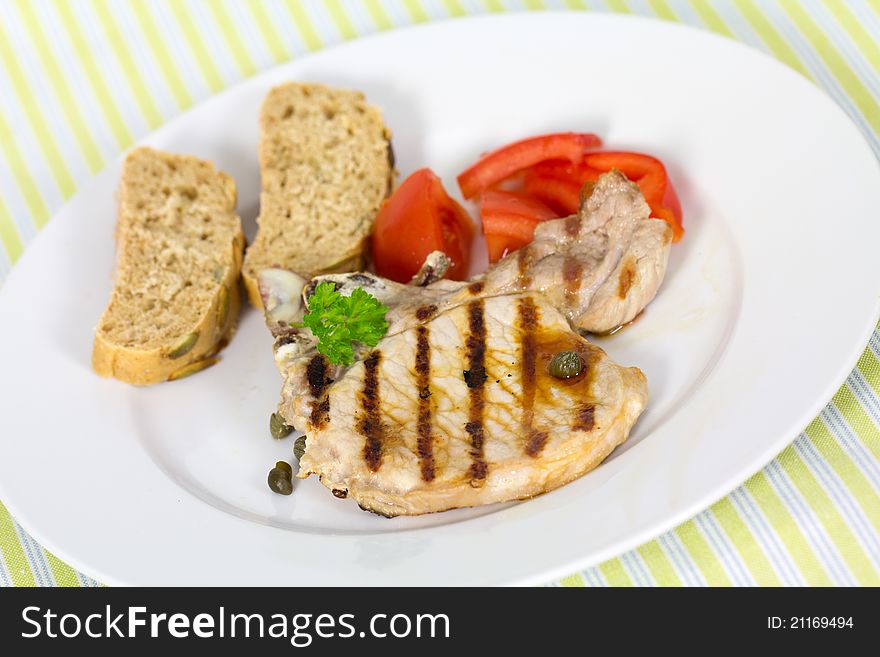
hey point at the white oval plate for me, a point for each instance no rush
(768, 302)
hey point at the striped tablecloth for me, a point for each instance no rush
(81, 81)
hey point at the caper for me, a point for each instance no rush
(299, 447)
(278, 427)
(184, 346)
(566, 364)
(284, 465)
(280, 479)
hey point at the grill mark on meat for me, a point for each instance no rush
(370, 425)
(627, 278)
(523, 263)
(424, 313)
(316, 373)
(536, 442)
(528, 358)
(476, 287)
(584, 417)
(572, 226)
(475, 377)
(572, 275)
(320, 415)
(423, 379)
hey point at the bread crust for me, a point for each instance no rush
(214, 327)
(307, 130)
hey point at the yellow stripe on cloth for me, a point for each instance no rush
(162, 54)
(853, 86)
(118, 127)
(60, 87)
(340, 19)
(34, 113)
(658, 564)
(745, 543)
(829, 517)
(13, 553)
(304, 25)
(769, 34)
(197, 45)
(230, 34)
(9, 236)
(130, 69)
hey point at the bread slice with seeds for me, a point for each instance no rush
(175, 297)
(326, 165)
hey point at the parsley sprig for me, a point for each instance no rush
(339, 321)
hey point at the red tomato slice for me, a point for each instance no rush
(500, 245)
(499, 164)
(561, 194)
(418, 218)
(497, 201)
(650, 175)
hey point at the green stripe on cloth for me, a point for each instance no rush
(788, 531)
(304, 25)
(454, 8)
(13, 553)
(848, 472)
(573, 581)
(68, 104)
(9, 236)
(268, 32)
(340, 19)
(130, 70)
(711, 18)
(197, 45)
(770, 35)
(162, 54)
(829, 517)
(866, 44)
(34, 112)
(662, 9)
(64, 575)
(858, 419)
(377, 13)
(702, 554)
(416, 11)
(853, 86)
(619, 6)
(87, 60)
(745, 543)
(661, 570)
(230, 34)
(26, 185)
(615, 574)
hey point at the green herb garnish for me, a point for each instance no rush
(339, 321)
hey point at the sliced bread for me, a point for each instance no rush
(175, 297)
(326, 165)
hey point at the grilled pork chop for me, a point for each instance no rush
(455, 406)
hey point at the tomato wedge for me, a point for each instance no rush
(418, 218)
(499, 246)
(650, 175)
(504, 162)
(561, 194)
(513, 203)
(509, 220)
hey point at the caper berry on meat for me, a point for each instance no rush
(299, 447)
(278, 427)
(281, 478)
(566, 364)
